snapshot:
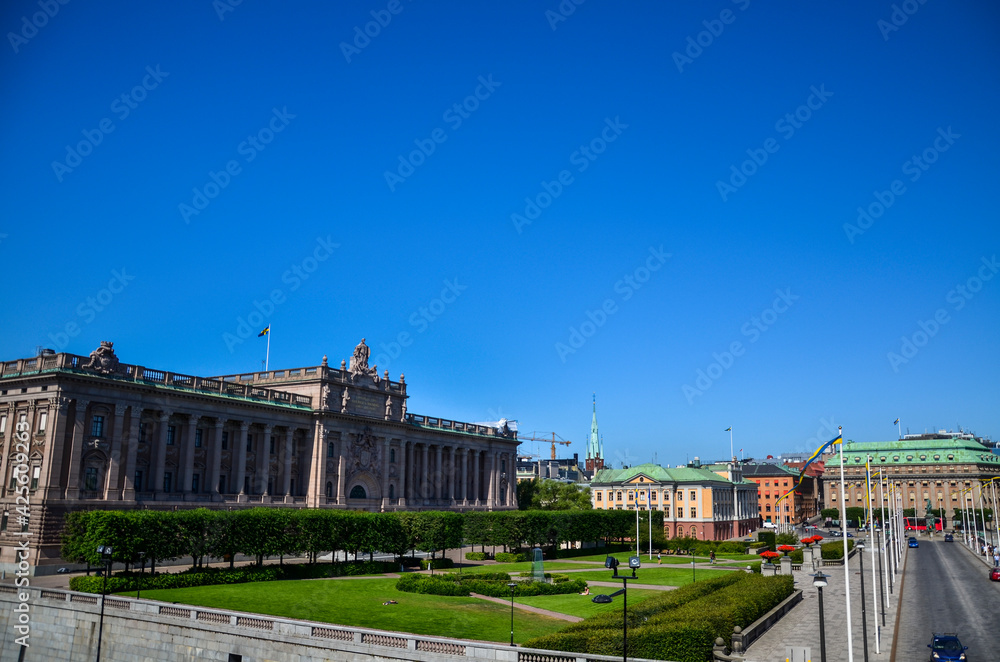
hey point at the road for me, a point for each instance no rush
(948, 590)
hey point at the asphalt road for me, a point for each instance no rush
(948, 590)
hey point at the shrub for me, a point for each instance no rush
(835, 550)
(798, 556)
(484, 583)
(426, 564)
(508, 557)
(768, 538)
(476, 556)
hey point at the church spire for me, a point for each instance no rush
(595, 445)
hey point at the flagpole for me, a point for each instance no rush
(267, 357)
(843, 527)
(731, 454)
(899, 428)
(649, 508)
(871, 555)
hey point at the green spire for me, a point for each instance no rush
(595, 446)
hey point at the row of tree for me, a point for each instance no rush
(276, 532)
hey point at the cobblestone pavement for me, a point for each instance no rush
(800, 627)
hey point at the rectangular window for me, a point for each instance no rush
(138, 481)
(666, 495)
(694, 495)
(35, 473)
(246, 484)
(43, 419)
(142, 433)
(392, 456)
(3, 522)
(222, 484)
(680, 496)
(503, 465)
(168, 479)
(271, 449)
(249, 442)
(694, 512)
(3, 424)
(329, 449)
(97, 426)
(653, 498)
(90, 480)
(225, 440)
(197, 438)
(196, 483)
(599, 495)
(171, 436)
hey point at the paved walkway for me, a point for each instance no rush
(800, 627)
(534, 610)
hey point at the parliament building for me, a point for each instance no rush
(92, 432)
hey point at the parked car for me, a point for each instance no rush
(995, 574)
(62, 571)
(947, 648)
(912, 542)
(949, 538)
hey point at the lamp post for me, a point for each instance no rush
(106, 552)
(864, 622)
(691, 552)
(612, 563)
(512, 586)
(142, 566)
(819, 581)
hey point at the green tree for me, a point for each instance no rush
(549, 494)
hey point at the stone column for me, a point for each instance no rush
(263, 472)
(341, 470)
(76, 450)
(463, 463)
(131, 453)
(404, 484)
(113, 479)
(215, 455)
(476, 494)
(512, 481)
(425, 477)
(50, 486)
(438, 474)
(316, 493)
(188, 453)
(240, 473)
(286, 478)
(160, 451)
(385, 475)
(491, 484)
(451, 474)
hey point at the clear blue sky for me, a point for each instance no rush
(121, 119)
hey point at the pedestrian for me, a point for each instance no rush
(659, 560)
(996, 558)
(711, 557)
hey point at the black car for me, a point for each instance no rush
(949, 538)
(947, 648)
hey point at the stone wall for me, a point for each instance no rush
(64, 626)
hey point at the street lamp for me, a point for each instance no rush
(691, 552)
(864, 622)
(819, 581)
(142, 566)
(612, 564)
(512, 586)
(106, 553)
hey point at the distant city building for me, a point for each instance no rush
(595, 446)
(696, 501)
(565, 469)
(935, 468)
(103, 434)
(773, 481)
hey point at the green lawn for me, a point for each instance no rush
(522, 566)
(583, 605)
(644, 557)
(652, 575)
(358, 602)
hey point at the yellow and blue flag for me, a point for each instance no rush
(802, 474)
(896, 422)
(267, 330)
(729, 429)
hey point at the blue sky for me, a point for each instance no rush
(520, 205)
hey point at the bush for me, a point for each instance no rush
(437, 564)
(835, 550)
(476, 556)
(509, 557)
(786, 539)
(210, 576)
(768, 538)
(493, 584)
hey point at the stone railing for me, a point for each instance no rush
(136, 373)
(445, 424)
(307, 637)
(324, 372)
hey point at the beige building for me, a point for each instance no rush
(92, 432)
(709, 503)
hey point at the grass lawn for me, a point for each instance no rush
(652, 575)
(522, 566)
(624, 556)
(358, 602)
(738, 557)
(583, 605)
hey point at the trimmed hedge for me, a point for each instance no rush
(509, 557)
(681, 625)
(437, 564)
(210, 576)
(835, 550)
(484, 583)
(476, 556)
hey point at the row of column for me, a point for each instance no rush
(453, 473)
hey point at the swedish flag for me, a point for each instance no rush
(896, 422)
(729, 429)
(802, 474)
(267, 330)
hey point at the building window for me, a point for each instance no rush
(694, 496)
(196, 483)
(3, 522)
(97, 426)
(329, 449)
(666, 495)
(653, 497)
(137, 484)
(618, 496)
(142, 433)
(358, 492)
(249, 442)
(168, 479)
(694, 512)
(43, 418)
(271, 448)
(225, 440)
(90, 479)
(631, 495)
(197, 439)
(329, 490)
(392, 456)
(392, 491)
(35, 473)
(3, 424)
(768, 507)
(246, 484)
(599, 495)
(503, 465)
(171, 435)
(222, 484)
(680, 495)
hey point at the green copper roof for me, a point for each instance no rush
(658, 474)
(914, 452)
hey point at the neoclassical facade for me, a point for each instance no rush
(92, 432)
(709, 503)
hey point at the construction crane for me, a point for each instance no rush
(551, 438)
